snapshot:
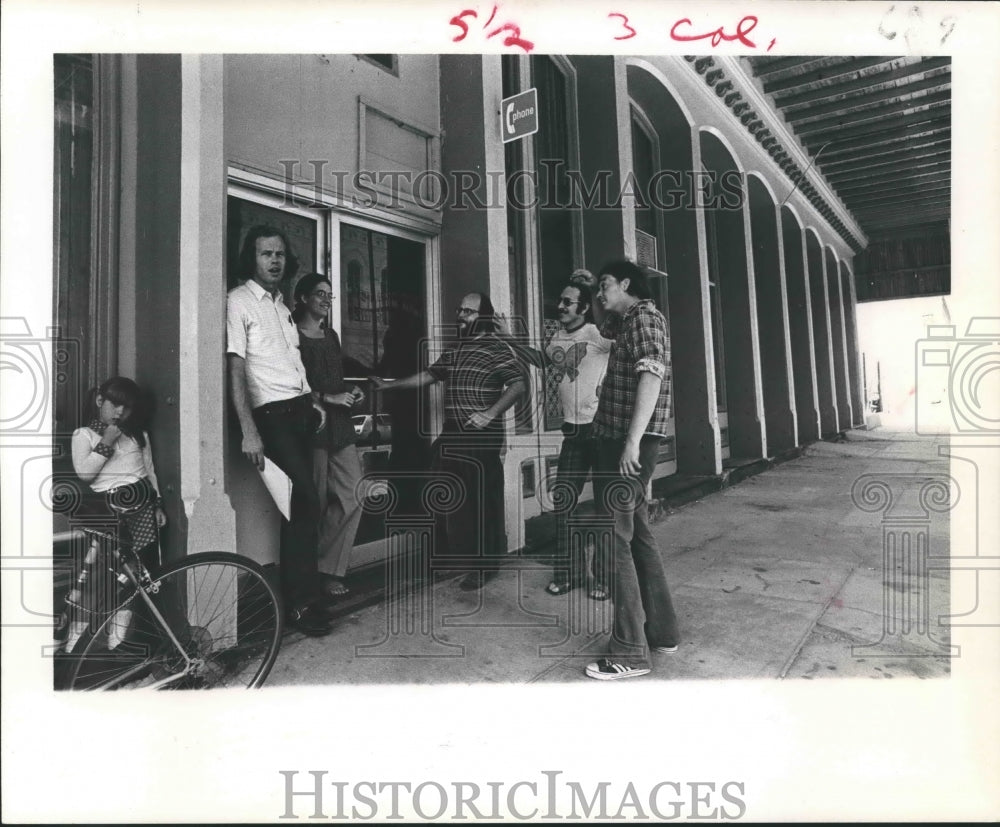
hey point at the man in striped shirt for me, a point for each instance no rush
(630, 423)
(482, 379)
(276, 411)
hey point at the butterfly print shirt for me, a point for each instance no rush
(578, 360)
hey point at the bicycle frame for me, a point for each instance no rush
(144, 583)
(210, 619)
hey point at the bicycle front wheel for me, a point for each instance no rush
(210, 620)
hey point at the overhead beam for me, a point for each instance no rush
(793, 115)
(935, 115)
(909, 196)
(898, 222)
(913, 204)
(898, 177)
(835, 177)
(942, 206)
(888, 137)
(763, 66)
(825, 73)
(926, 64)
(861, 188)
(883, 175)
(866, 115)
(938, 141)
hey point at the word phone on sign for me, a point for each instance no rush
(519, 115)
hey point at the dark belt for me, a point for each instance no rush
(285, 406)
(572, 430)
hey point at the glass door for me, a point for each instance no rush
(382, 321)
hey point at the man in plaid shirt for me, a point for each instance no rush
(630, 423)
(483, 378)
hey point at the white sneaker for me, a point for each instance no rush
(118, 628)
(76, 630)
(609, 670)
(664, 650)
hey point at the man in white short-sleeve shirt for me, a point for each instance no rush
(276, 410)
(578, 354)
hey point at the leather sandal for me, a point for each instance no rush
(334, 587)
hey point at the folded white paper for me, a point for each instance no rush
(279, 486)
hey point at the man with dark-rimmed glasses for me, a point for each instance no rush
(483, 379)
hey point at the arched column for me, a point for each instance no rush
(687, 299)
(819, 303)
(838, 341)
(772, 318)
(853, 352)
(731, 270)
(800, 332)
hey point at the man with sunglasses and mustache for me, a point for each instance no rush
(577, 354)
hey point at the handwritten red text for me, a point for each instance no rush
(625, 25)
(512, 30)
(680, 32)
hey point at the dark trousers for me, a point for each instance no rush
(576, 459)
(644, 612)
(286, 429)
(469, 513)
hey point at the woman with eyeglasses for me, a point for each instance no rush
(336, 464)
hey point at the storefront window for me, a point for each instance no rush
(383, 333)
(553, 159)
(382, 325)
(382, 279)
(644, 166)
(552, 162)
(73, 230)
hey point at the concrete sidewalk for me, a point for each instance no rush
(779, 576)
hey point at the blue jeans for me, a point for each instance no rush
(576, 459)
(644, 612)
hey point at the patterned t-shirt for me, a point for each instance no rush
(578, 359)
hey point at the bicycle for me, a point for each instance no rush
(208, 620)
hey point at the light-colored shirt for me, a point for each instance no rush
(127, 465)
(259, 328)
(578, 359)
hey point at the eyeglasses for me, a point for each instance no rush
(465, 311)
(563, 302)
(321, 294)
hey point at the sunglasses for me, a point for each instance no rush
(566, 303)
